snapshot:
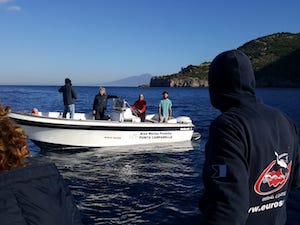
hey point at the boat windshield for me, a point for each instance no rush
(119, 104)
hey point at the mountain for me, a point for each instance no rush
(133, 81)
(275, 59)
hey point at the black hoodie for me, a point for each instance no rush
(69, 94)
(252, 154)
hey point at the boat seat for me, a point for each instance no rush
(53, 114)
(77, 116)
(152, 118)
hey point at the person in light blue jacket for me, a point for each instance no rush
(165, 108)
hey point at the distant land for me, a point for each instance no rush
(132, 81)
(275, 59)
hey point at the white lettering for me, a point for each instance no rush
(282, 194)
(264, 207)
(270, 197)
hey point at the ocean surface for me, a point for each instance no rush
(152, 184)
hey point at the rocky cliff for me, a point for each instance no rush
(275, 59)
(190, 76)
(177, 82)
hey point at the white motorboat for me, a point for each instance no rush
(50, 130)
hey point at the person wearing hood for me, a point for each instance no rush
(31, 192)
(252, 153)
(69, 97)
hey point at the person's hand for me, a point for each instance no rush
(94, 112)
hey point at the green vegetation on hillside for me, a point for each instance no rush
(275, 59)
(191, 71)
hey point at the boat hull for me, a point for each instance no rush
(45, 131)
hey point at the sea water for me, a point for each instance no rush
(150, 184)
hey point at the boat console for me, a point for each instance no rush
(120, 112)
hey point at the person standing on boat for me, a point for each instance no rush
(165, 108)
(31, 192)
(139, 108)
(100, 103)
(69, 97)
(252, 157)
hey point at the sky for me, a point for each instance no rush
(95, 41)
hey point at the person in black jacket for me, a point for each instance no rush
(252, 153)
(100, 103)
(69, 96)
(30, 192)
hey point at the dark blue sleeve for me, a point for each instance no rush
(225, 176)
(10, 212)
(296, 177)
(74, 95)
(296, 169)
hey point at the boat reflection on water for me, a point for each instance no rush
(129, 185)
(154, 148)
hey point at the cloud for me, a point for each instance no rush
(4, 1)
(14, 8)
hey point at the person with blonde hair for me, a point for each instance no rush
(100, 103)
(30, 192)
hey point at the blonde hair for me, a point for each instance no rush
(13, 145)
(102, 89)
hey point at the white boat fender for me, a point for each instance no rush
(196, 136)
(173, 120)
(183, 119)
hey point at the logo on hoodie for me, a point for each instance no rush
(274, 177)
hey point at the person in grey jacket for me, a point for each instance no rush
(31, 193)
(100, 103)
(69, 97)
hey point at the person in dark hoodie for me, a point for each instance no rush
(30, 192)
(100, 103)
(69, 97)
(252, 153)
